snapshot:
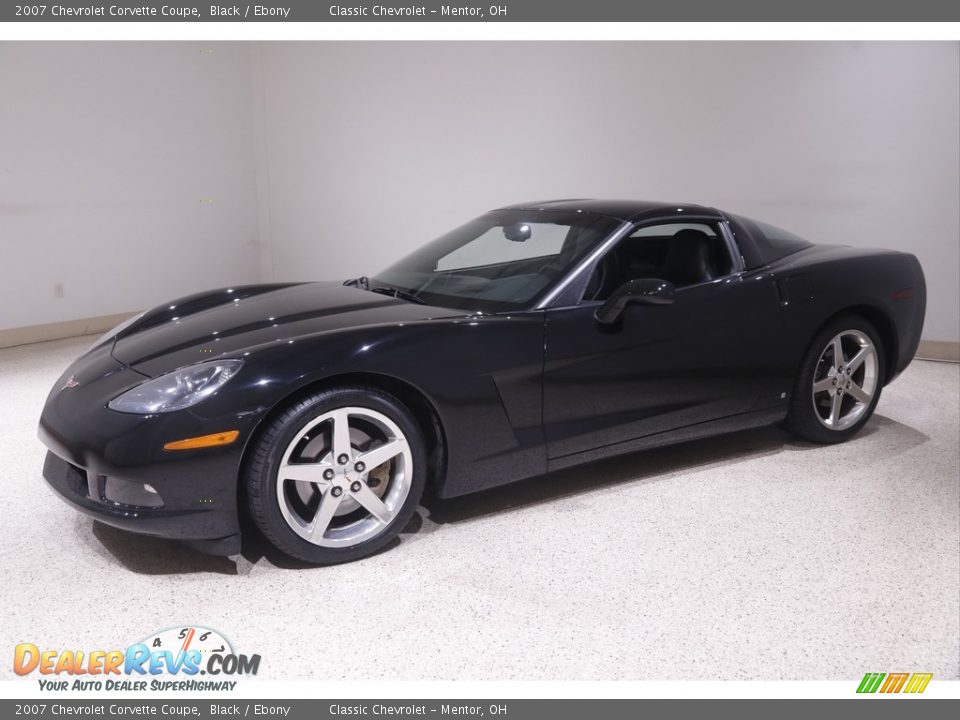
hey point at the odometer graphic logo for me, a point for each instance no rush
(889, 683)
(172, 659)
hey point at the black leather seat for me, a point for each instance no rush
(689, 259)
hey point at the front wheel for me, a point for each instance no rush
(839, 383)
(336, 476)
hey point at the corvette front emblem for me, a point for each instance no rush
(71, 383)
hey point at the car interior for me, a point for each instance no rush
(684, 253)
(690, 255)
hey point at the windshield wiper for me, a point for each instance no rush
(361, 282)
(398, 293)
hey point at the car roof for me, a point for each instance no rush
(622, 209)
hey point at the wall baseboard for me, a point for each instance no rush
(938, 350)
(928, 350)
(60, 330)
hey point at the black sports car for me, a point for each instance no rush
(534, 337)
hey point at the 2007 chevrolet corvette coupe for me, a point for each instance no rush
(532, 338)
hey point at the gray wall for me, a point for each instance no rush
(134, 173)
(127, 173)
(373, 148)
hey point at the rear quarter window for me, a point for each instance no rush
(770, 242)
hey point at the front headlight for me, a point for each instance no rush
(176, 390)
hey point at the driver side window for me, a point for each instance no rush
(683, 253)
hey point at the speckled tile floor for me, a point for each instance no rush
(750, 556)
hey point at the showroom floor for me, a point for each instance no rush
(750, 556)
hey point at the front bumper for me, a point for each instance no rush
(200, 528)
(112, 466)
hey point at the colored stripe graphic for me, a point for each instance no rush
(894, 682)
(918, 682)
(870, 682)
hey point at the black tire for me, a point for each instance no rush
(259, 474)
(803, 418)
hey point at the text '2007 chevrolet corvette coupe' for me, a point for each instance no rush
(532, 338)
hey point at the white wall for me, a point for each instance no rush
(371, 149)
(328, 160)
(127, 172)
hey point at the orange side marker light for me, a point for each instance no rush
(214, 440)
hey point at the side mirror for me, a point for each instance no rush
(643, 291)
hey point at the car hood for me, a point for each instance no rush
(230, 321)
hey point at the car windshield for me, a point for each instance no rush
(500, 261)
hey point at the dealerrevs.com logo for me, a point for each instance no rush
(172, 659)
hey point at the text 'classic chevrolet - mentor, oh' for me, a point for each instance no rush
(532, 338)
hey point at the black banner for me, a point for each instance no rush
(483, 11)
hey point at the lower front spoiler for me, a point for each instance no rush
(187, 526)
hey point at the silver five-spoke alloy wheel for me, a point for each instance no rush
(845, 380)
(344, 477)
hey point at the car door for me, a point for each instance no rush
(709, 354)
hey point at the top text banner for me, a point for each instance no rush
(485, 11)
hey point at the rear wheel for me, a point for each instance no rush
(839, 383)
(336, 476)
